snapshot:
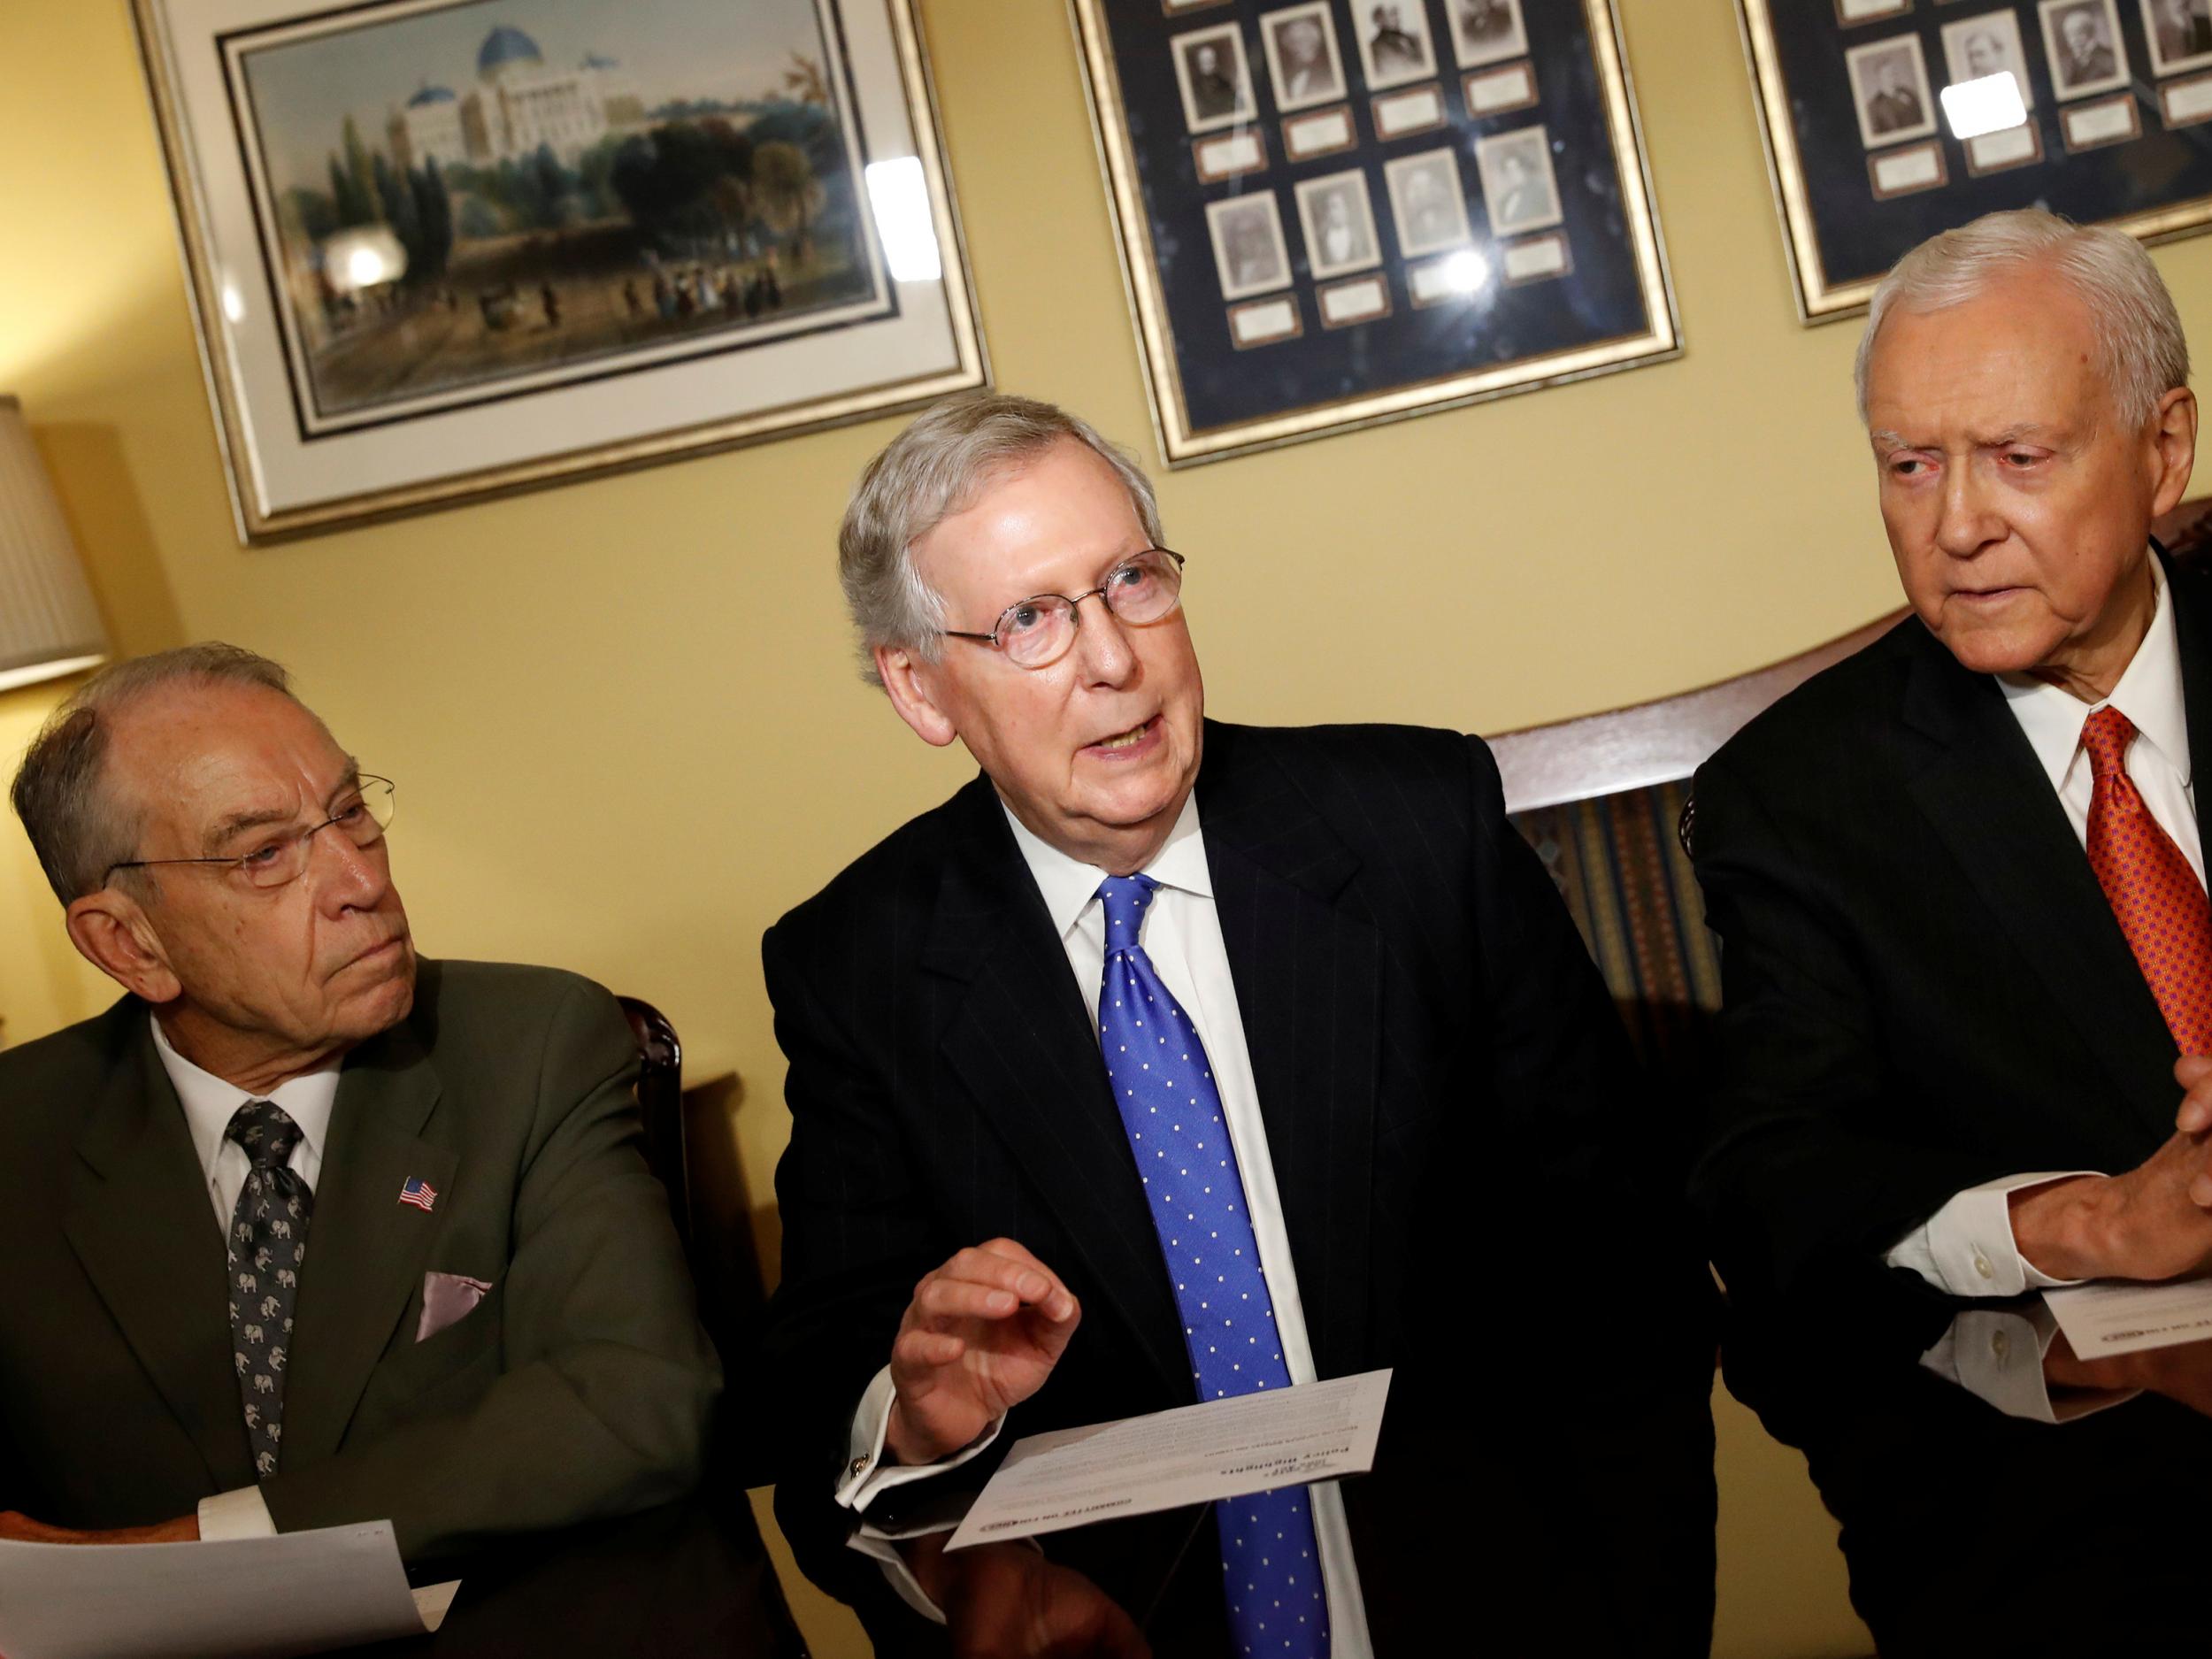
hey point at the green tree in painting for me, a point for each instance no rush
(358, 165)
(784, 178)
(803, 81)
(433, 215)
(350, 202)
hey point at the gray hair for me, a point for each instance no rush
(2143, 351)
(78, 829)
(936, 468)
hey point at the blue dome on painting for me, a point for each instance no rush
(503, 46)
(429, 95)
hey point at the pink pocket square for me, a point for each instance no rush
(446, 1298)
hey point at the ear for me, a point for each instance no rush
(112, 933)
(908, 681)
(2173, 443)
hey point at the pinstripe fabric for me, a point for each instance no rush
(1419, 1012)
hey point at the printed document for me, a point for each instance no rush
(243, 1598)
(2113, 1317)
(1224, 1449)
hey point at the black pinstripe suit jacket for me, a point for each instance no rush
(1454, 1122)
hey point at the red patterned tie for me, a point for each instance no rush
(2153, 892)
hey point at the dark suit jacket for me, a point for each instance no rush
(1924, 987)
(580, 1386)
(1454, 1129)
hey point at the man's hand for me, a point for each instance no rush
(21, 1529)
(2154, 1222)
(1007, 1602)
(981, 1335)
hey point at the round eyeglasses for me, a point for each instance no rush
(364, 813)
(1036, 632)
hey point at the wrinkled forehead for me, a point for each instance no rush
(1061, 515)
(186, 757)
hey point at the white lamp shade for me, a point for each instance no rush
(49, 625)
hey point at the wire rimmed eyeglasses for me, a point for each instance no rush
(1036, 632)
(362, 816)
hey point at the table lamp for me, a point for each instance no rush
(49, 625)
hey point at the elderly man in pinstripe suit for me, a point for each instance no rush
(1172, 1060)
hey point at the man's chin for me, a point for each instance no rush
(1991, 647)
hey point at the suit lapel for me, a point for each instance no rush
(365, 1251)
(1308, 965)
(2193, 643)
(1984, 791)
(139, 1220)
(1022, 1044)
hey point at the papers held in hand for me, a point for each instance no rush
(1224, 1449)
(246, 1598)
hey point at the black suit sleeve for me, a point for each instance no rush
(858, 1235)
(1796, 1179)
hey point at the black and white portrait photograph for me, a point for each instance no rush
(1216, 81)
(1975, 48)
(1394, 40)
(2179, 33)
(1428, 203)
(2081, 38)
(1249, 250)
(1486, 31)
(1302, 59)
(1516, 180)
(1889, 88)
(1339, 224)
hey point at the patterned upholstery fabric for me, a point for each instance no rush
(1620, 865)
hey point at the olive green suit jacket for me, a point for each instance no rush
(581, 1386)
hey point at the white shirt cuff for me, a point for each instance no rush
(1966, 1248)
(1997, 1356)
(242, 1513)
(865, 1473)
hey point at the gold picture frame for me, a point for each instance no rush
(1228, 375)
(449, 314)
(2101, 160)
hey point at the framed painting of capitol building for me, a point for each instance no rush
(440, 249)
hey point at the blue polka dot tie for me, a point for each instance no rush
(1164, 1086)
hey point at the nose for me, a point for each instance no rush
(1103, 653)
(349, 878)
(1966, 524)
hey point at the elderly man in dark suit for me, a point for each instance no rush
(1170, 1060)
(303, 1231)
(1958, 876)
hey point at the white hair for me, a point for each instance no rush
(2144, 354)
(933, 470)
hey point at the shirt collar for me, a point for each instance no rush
(1069, 886)
(209, 1103)
(2149, 693)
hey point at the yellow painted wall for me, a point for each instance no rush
(622, 715)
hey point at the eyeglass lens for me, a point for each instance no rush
(1142, 589)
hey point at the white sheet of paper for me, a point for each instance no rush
(2114, 1318)
(241, 1598)
(1224, 1449)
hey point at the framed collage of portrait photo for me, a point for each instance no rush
(1335, 212)
(440, 249)
(1888, 121)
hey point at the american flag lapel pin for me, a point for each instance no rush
(418, 1193)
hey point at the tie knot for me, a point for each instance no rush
(1125, 898)
(266, 1132)
(2106, 735)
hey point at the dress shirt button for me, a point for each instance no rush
(1982, 1266)
(2000, 1344)
(858, 1465)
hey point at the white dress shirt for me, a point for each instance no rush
(1182, 935)
(1967, 1247)
(209, 1105)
